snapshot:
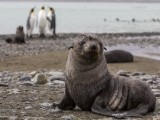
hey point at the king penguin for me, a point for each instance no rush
(42, 21)
(30, 22)
(51, 18)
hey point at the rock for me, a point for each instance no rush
(13, 91)
(123, 72)
(138, 74)
(8, 118)
(26, 83)
(46, 105)
(26, 78)
(70, 117)
(33, 73)
(60, 78)
(55, 85)
(55, 73)
(4, 85)
(40, 79)
(56, 110)
(28, 107)
(157, 94)
(104, 119)
(34, 118)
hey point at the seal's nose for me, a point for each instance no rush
(93, 47)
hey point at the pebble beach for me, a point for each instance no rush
(32, 74)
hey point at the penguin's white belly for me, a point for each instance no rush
(42, 22)
(32, 22)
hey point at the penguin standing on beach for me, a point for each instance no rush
(51, 18)
(42, 21)
(30, 22)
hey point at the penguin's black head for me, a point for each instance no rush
(51, 9)
(42, 8)
(32, 10)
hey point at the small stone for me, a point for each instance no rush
(40, 79)
(46, 105)
(60, 78)
(25, 78)
(55, 73)
(105, 119)
(33, 73)
(35, 118)
(123, 73)
(70, 117)
(138, 74)
(8, 117)
(26, 83)
(28, 107)
(4, 85)
(157, 94)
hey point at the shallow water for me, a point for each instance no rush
(85, 17)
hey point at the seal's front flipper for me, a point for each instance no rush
(66, 103)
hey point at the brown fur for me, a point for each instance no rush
(90, 86)
(118, 56)
(19, 37)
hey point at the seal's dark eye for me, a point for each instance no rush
(82, 43)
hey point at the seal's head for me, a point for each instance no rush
(20, 28)
(89, 48)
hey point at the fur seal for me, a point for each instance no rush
(19, 38)
(90, 86)
(118, 56)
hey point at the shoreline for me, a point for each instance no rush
(139, 44)
(121, 34)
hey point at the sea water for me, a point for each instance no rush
(81, 17)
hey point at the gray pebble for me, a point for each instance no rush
(60, 78)
(27, 78)
(40, 79)
(8, 118)
(34, 118)
(28, 107)
(157, 94)
(46, 105)
(4, 85)
(26, 83)
(70, 117)
(138, 73)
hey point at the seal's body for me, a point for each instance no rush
(30, 22)
(19, 38)
(118, 56)
(90, 86)
(51, 17)
(20, 35)
(42, 21)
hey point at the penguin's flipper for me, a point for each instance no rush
(28, 23)
(48, 19)
(53, 22)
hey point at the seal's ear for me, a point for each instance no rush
(105, 48)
